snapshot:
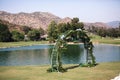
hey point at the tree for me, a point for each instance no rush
(5, 35)
(113, 32)
(52, 31)
(34, 35)
(75, 24)
(75, 20)
(55, 30)
(68, 26)
(17, 36)
(61, 28)
(42, 32)
(80, 25)
(119, 26)
(26, 29)
(101, 32)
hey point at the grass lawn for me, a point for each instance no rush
(107, 41)
(28, 43)
(23, 43)
(103, 71)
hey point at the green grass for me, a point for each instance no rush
(96, 39)
(107, 41)
(103, 71)
(23, 43)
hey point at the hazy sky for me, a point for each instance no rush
(86, 10)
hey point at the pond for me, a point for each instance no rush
(40, 54)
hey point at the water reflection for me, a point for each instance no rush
(24, 57)
(107, 53)
(73, 54)
(40, 54)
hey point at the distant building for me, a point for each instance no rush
(44, 37)
(26, 38)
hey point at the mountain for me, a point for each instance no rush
(65, 20)
(96, 24)
(34, 20)
(114, 24)
(43, 19)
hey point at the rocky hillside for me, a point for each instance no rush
(40, 19)
(65, 20)
(34, 20)
(114, 24)
(96, 24)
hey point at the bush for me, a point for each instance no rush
(26, 29)
(17, 36)
(34, 35)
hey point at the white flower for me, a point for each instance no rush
(62, 37)
(78, 29)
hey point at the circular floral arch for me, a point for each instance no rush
(60, 45)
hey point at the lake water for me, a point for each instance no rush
(40, 54)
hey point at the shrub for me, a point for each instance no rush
(34, 35)
(17, 36)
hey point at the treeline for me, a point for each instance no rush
(105, 32)
(26, 34)
(53, 31)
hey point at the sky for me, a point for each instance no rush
(85, 10)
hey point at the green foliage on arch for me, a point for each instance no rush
(61, 43)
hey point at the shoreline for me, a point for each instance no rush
(69, 43)
(50, 64)
(107, 44)
(24, 46)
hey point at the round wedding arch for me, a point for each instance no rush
(60, 45)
